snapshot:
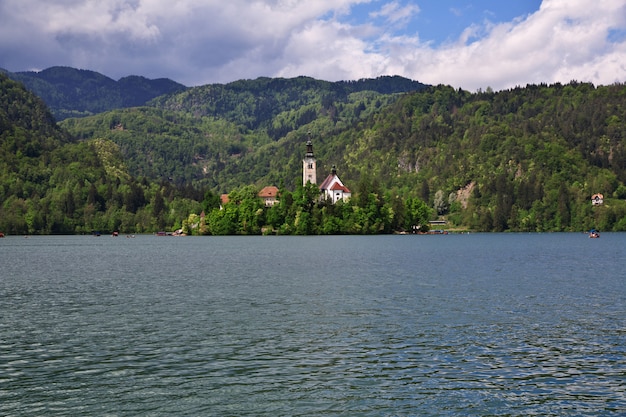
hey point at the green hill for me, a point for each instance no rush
(71, 92)
(213, 135)
(254, 104)
(526, 159)
(52, 183)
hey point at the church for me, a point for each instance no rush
(331, 188)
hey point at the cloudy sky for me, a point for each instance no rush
(469, 44)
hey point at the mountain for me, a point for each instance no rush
(213, 135)
(27, 127)
(525, 159)
(52, 183)
(71, 92)
(255, 103)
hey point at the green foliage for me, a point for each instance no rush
(303, 213)
(525, 159)
(535, 155)
(223, 136)
(50, 183)
(163, 145)
(254, 104)
(71, 92)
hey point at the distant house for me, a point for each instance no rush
(223, 200)
(269, 195)
(597, 199)
(332, 188)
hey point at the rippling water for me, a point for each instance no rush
(483, 324)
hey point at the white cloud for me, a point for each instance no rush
(395, 13)
(562, 41)
(198, 42)
(456, 11)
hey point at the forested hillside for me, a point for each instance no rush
(219, 135)
(254, 104)
(526, 159)
(71, 92)
(51, 183)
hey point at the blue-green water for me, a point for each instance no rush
(482, 324)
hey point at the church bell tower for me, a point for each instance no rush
(309, 173)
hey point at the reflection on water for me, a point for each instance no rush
(389, 325)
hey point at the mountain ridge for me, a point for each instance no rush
(72, 92)
(523, 159)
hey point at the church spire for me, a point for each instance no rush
(309, 164)
(309, 149)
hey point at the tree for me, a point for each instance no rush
(440, 203)
(158, 204)
(417, 214)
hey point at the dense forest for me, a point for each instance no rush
(53, 183)
(50, 183)
(214, 135)
(70, 92)
(524, 159)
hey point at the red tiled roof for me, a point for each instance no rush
(329, 179)
(332, 182)
(268, 192)
(328, 182)
(338, 186)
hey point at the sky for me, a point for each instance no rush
(472, 44)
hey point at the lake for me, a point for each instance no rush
(475, 324)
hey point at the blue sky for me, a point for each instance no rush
(442, 21)
(468, 44)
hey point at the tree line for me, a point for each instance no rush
(55, 183)
(525, 159)
(302, 212)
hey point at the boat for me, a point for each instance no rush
(594, 234)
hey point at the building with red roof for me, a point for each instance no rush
(269, 195)
(332, 188)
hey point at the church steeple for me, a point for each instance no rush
(309, 167)
(309, 149)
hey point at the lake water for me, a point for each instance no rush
(479, 324)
